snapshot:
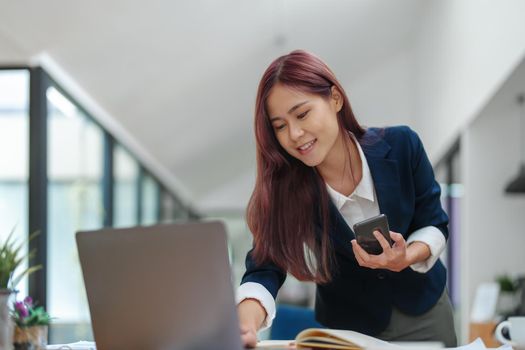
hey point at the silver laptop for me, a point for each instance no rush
(162, 287)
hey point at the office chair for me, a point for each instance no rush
(290, 320)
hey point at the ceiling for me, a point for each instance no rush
(180, 76)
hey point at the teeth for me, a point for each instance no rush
(306, 146)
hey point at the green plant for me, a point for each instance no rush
(26, 314)
(11, 258)
(506, 284)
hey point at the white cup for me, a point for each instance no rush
(516, 326)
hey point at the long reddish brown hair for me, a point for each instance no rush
(288, 210)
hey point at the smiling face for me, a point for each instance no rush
(305, 124)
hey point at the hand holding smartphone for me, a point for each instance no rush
(364, 233)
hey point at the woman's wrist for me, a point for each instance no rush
(252, 313)
(417, 252)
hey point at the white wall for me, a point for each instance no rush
(465, 53)
(493, 234)
(465, 50)
(384, 95)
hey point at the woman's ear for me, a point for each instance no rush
(337, 98)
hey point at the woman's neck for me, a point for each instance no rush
(342, 167)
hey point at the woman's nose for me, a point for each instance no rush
(295, 132)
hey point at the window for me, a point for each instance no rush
(14, 157)
(150, 201)
(74, 201)
(71, 167)
(125, 173)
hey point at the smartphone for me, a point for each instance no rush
(364, 233)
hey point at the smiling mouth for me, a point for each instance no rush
(307, 146)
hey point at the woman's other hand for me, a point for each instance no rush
(251, 317)
(395, 258)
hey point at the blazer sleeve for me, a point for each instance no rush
(268, 275)
(427, 207)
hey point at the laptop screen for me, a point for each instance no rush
(160, 287)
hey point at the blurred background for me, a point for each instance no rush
(120, 113)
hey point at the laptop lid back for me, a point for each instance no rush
(160, 287)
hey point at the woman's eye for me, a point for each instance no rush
(279, 127)
(302, 115)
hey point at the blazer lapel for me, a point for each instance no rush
(341, 233)
(385, 176)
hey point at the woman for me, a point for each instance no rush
(318, 173)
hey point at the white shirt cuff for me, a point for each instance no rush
(252, 290)
(433, 237)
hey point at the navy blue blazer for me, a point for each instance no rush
(359, 298)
